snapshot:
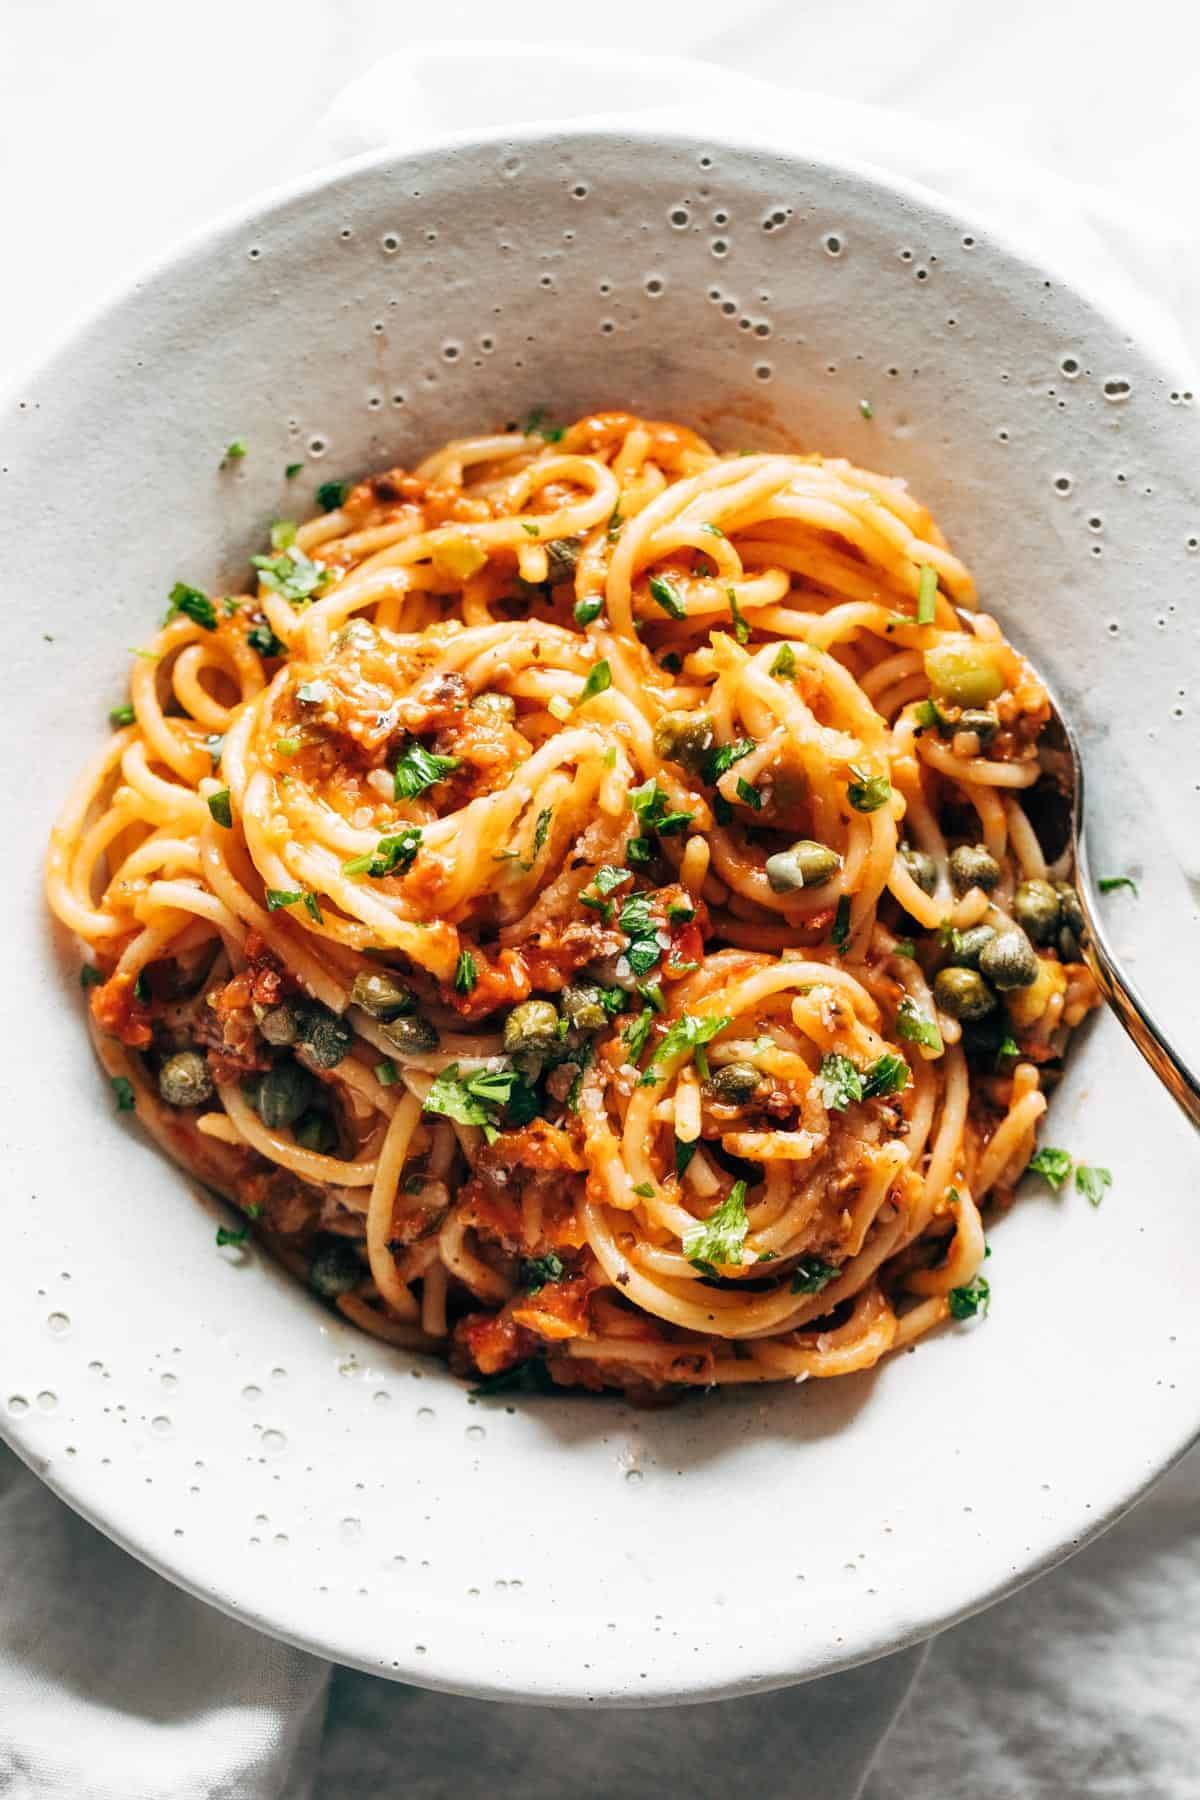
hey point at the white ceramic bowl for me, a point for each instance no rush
(195, 1403)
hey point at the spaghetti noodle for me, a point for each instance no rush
(580, 908)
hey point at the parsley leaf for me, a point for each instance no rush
(598, 682)
(280, 897)
(976, 1297)
(292, 470)
(839, 936)
(293, 575)
(811, 1274)
(194, 605)
(720, 1237)
(888, 1074)
(312, 907)
(418, 768)
(748, 795)
(122, 715)
(226, 1236)
(1108, 884)
(1093, 1183)
(1052, 1165)
(466, 973)
(741, 630)
(588, 609)
(683, 1155)
(839, 1082)
(666, 594)
(389, 854)
(649, 802)
(867, 792)
(687, 1033)
(122, 1089)
(784, 665)
(915, 1028)
(263, 639)
(721, 759)
(90, 976)
(219, 807)
(332, 494)
(635, 1034)
(283, 534)
(538, 1270)
(234, 452)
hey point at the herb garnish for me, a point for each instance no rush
(812, 1273)
(219, 807)
(666, 594)
(418, 768)
(719, 1238)
(976, 1297)
(122, 1089)
(687, 1033)
(915, 1027)
(194, 604)
(389, 854)
(466, 973)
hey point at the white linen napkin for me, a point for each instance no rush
(116, 1686)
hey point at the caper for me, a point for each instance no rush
(326, 1036)
(1036, 909)
(184, 1079)
(531, 1029)
(382, 995)
(969, 945)
(584, 1008)
(805, 864)
(1009, 961)
(501, 707)
(562, 554)
(963, 993)
(920, 866)
(984, 724)
(734, 1084)
(983, 1037)
(334, 1269)
(279, 1024)
(972, 866)
(411, 1035)
(685, 738)
(283, 1093)
(316, 1131)
(1070, 911)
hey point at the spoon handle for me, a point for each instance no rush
(1178, 1079)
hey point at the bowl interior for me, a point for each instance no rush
(195, 1402)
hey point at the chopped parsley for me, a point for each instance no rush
(683, 1155)
(312, 907)
(226, 1236)
(280, 897)
(538, 1270)
(418, 768)
(588, 610)
(604, 882)
(915, 1027)
(122, 1089)
(966, 1302)
(1006, 1054)
(234, 452)
(534, 427)
(867, 792)
(812, 1273)
(930, 717)
(331, 494)
(263, 639)
(666, 595)
(641, 928)
(528, 1377)
(748, 795)
(1052, 1165)
(292, 470)
(784, 665)
(927, 587)
(386, 1073)
(720, 760)
(466, 973)
(598, 682)
(389, 854)
(719, 1238)
(687, 1033)
(839, 1082)
(292, 575)
(635, 1034)
(476, 1099)
(1108, 884)
(866, 409)
(741, 630)
(90, 976)
(905, 947)
(121, 715)
(839, 936)
(888, 1074)
(193, 604)
(283, 534)
(219, 807)
(649, 802)
(1093, 1183)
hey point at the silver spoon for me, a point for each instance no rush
(1060, 749)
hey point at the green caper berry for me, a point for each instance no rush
(972, 866)
(531, 1029)
(283, 1093)
(184, 1079)
(411, 1035)
(562, 554)
(685, 738)
(803, 865)
(984, 724)
(963, 993)
(279, 1025)
(316, 1131)
(501, 707)
(920, 866)
(584, 1008)
(1009, 961)
(734, 1084)
(326, 1036)
(1070, 911)
(969, 947)
(1036, 909)
(382, 995)
(335, 1269)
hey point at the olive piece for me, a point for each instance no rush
(279, 1025)
(1009, 961)
(984, 724)
(584, 1008)
(963, 993)
(531, 1029)
(685, 738)
(1036, 909)
(411, 1035)
(562, 554)
(969, 946)
(326, 1036)
(184, 1079)
(382, 995)
(334, 1269)
(805, 864)
(972, 866)
(501, 707)
(734, 1084)
(920, 866)
(316, 1131)
(283, 1093)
